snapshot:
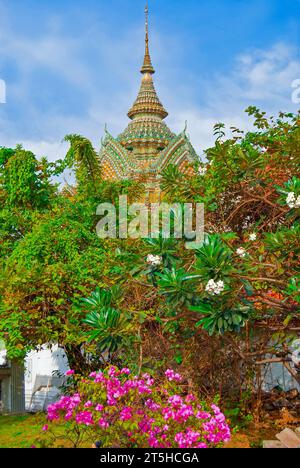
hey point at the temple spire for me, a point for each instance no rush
(147, 101)
(147, 65)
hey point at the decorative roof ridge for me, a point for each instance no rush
(165, 152)
(112, 142)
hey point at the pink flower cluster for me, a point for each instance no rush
(115, 389)
(189, 438)
(217, 429)
(126, 413)
(67, 405)
(159, 415)
(171, 375)
(85, 417)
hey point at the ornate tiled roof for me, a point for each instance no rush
(145, 129)
(147, 101)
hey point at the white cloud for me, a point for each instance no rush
(52, 150)
(53, 51)
(269, 74)
(260, 77)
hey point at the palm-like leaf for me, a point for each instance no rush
(102, 298)
(217, 318)
(214, 259)
(177, 286)
(85, 158)
(109, 327)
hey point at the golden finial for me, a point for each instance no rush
(147, 65)
(147, 19)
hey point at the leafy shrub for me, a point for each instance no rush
(121, 410)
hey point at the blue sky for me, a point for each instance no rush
(71, 66)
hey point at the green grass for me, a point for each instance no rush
(20, 431)
(26, 431)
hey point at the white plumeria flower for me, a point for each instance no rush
(220, 287)
(241, 252)
(215, 288)
(291, 200)
(202, 170)
(155, 260)
(253, 237)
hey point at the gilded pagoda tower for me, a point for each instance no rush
(147, 146)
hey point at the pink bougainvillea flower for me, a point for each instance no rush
(99, 378)
(88, 404)
(45, 428)
(202, 415)
(103, 423)
(152, 405)
(70, 372)
(202, 445)
(175, 400)
(126, 414)
(140, 411)
(112, 372)
(171, 375)
(85, 418)
(99, 408)
(69, 416)
(215, 409)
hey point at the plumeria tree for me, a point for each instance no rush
(242, 284)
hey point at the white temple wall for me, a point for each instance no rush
(44, 374)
